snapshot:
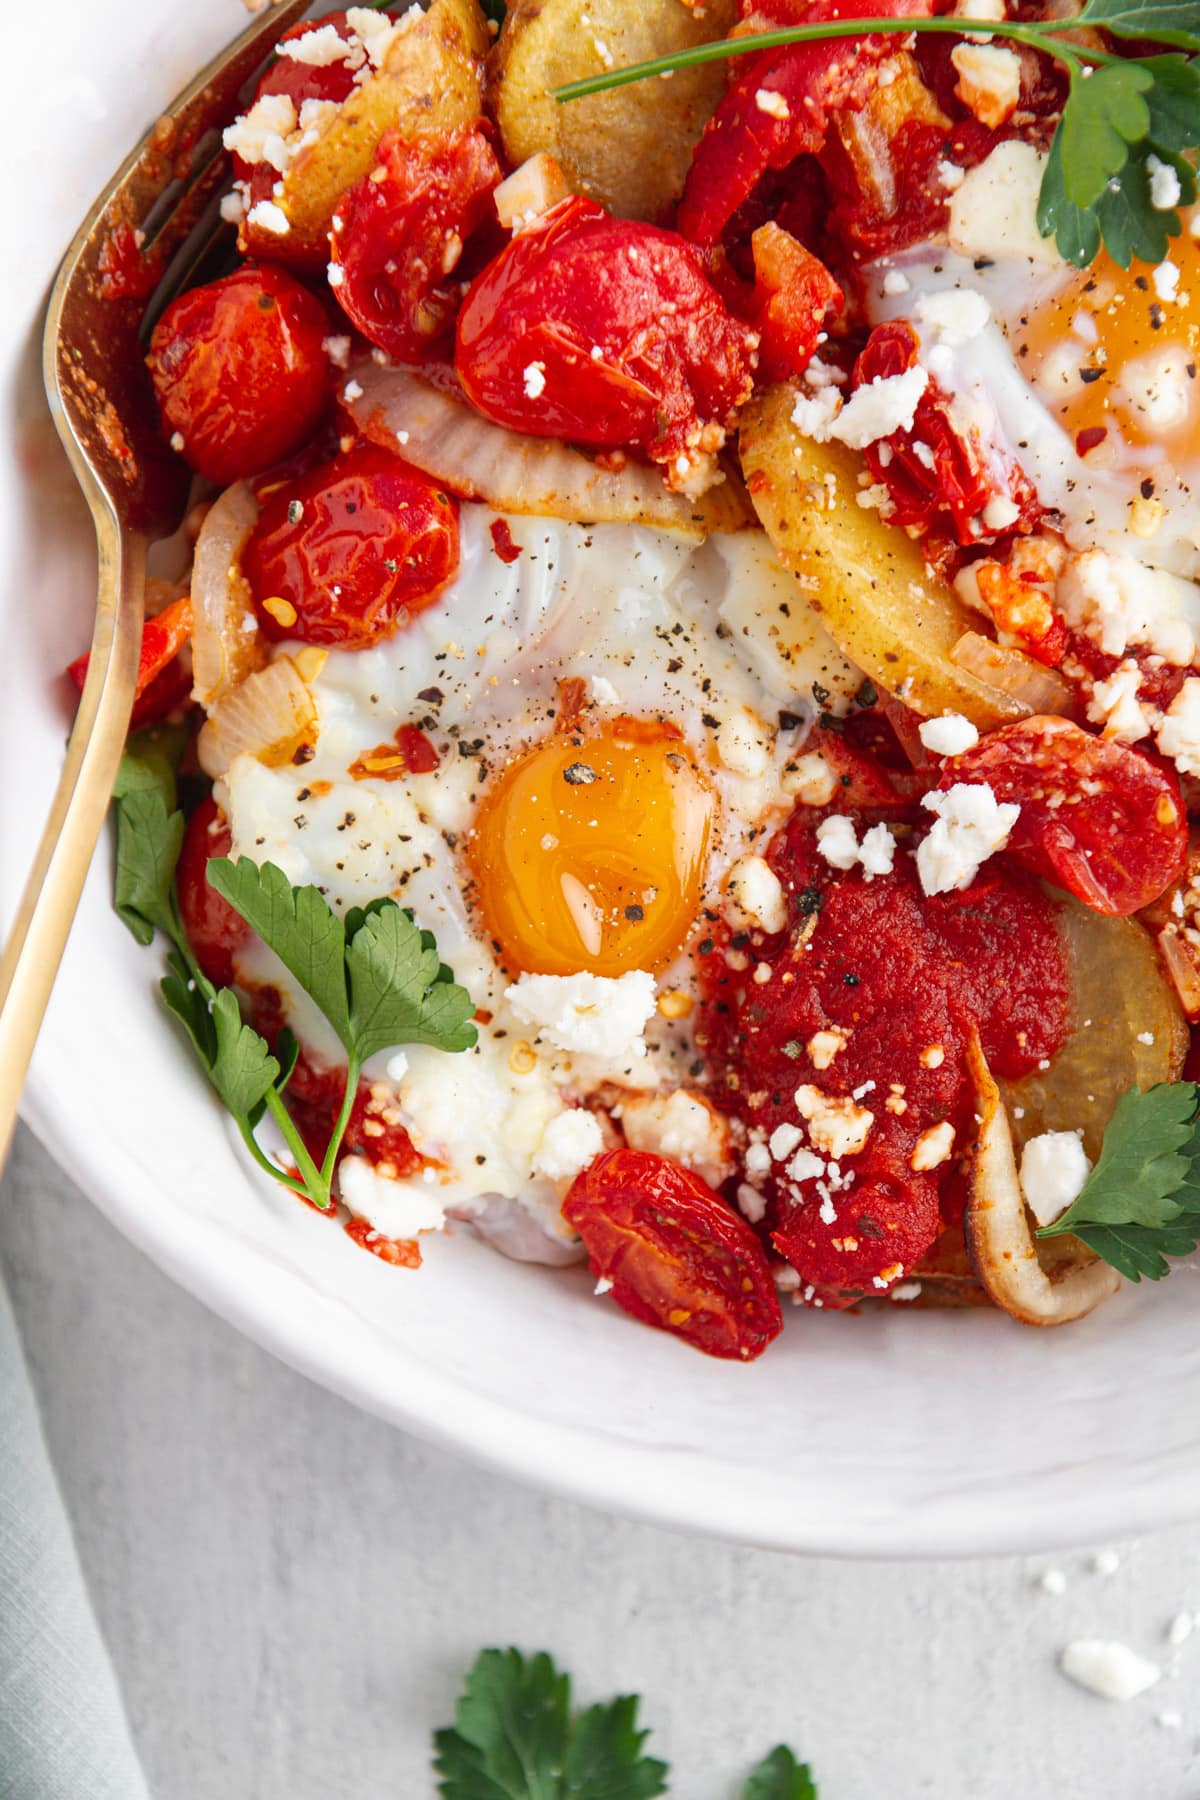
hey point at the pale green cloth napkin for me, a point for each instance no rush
(63, 1733)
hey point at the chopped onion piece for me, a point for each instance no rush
(1041, 689)
(1003, 1249)
(271, 716)
(226, 644)
(437, 431)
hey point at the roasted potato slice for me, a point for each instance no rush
(630, 148)
(890, 614)
(431, 80)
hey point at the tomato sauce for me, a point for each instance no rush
(868, 1000)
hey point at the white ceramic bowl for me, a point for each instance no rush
(905, 1434)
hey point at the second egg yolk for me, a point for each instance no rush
(589, 852)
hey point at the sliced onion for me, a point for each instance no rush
(1071, 1281)
(271, 715)
(1015, 674)
(517, 1233)
(438, 432)
(226, 644)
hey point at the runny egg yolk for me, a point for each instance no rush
(1114, 353)
(589, 851)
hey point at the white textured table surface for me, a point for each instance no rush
(291, 1591)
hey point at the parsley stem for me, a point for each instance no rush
(264, 1162)
(315, 1184)
(1035, 34)
(353, 1071)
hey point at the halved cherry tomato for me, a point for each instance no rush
(347, 553)
(813, 82)
(159, 686)
(239, 371)
(604, 331)
(213, 929)
(1098, 819)
(399, 233)
(934, 468)
(677, 1256)
(794, 295)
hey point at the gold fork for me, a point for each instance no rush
(147, 235)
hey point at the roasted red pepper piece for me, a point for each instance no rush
(794, 299)
(161, 683)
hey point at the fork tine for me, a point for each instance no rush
(99, 300)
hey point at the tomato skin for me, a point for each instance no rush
(356, 547)
(239, 371)
(954, 475)
(213, 928)
(1100, 820)
(161, 682)
(677, 1256)
(673, 364)
(398, 236)
(742, 142)
(794, 296)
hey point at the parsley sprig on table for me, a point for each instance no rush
(375, 975)
(515, 1737)
(1141, 1202)
(1120, 112)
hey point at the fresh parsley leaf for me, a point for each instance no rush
(149, 838)
(1137, 1250)
(1105, 112)
(1145, 1160)
(515, 1738)
(1129, 222)
(1075, 228)
(780, 1777)
(1156, 21)
(298, 924)
(400, 990)
(1172, 102)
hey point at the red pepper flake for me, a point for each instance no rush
(1089, 437)
(502, 540)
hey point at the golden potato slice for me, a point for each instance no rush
(1128, 1032)
(431, 80)
(867, 579)
(630, 148)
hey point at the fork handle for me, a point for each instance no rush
(55, 881)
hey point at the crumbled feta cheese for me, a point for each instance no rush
(806, 1166)
(1052, 1581)
(397, 1066)
(953, 315)
(837, 841)
(824, 1046)
(950, 735)
(773, 104)
(836, 1124)
(751, 1204)
(1179, 734)
(932, 1148)
(534, 377)
(177, 442)
(260, 135)
(813, 414)
(1119, 601)
(906, 1290)
(1000, 512)
(877, 852)
(994, 211)
(880, 407)
(896, 282)
(337, 349)
(983, 10)
(603, 1286)
(396, 1209)
(950, 175)
(783, 1140)
(1165, 191)
(594, 1015)
(1054, 1167)
(1180, 1629)
(334, 275)
(233, 206)
(989, 81)
(684, 1127)
(352, 391)
(1106, 1562)
(743, 744)
(1108, 1668)
(569, 1143)
(757, 1159)
(1115, 705)
(1158, 387)
(603, 691)
(810, 780)
(321, 47)
(971, 825)
(1166, 280)
(757, 893)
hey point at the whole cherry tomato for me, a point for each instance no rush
(677, 1256)
(345, 554)
(606, 332)
(1098, 819)
(813, 82)
(213, 929)
(399, 233)
(239, 371)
